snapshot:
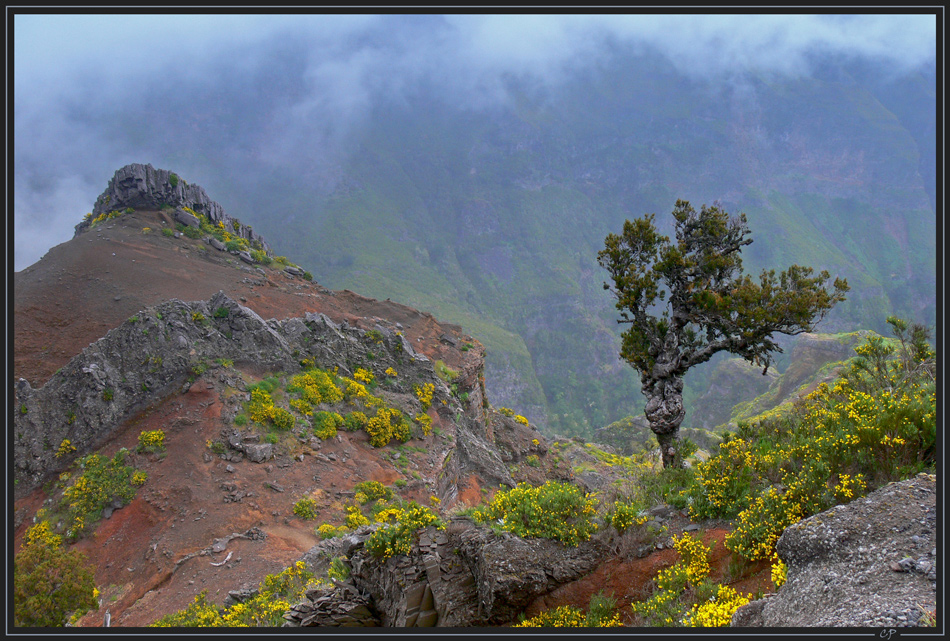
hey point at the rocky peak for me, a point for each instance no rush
(139, 186)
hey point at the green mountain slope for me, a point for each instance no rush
(492, 218)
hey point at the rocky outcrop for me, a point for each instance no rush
(162, 348)
(144, 187)
(462, 576)
(870, 563)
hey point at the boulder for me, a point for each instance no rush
(258, 453)
(870, 563)
(185, 218)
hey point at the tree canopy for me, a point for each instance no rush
(689, 299)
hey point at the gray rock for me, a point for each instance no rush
(217, 244)
(246, 257)
(260, 452)
(852, 566)
(185, 218)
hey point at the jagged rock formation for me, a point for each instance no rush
(463, 576)
(870, 563)
(154, 353)
(144, 187)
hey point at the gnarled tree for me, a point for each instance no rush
(688, 300)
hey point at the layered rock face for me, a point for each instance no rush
(870, 563)
(144, 187)
(154, 353)
(463, 576)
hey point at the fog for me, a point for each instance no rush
(93, 93)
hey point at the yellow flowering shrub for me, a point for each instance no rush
(717, 612)
(425, 422)
(677, 584)
(424, 394)
(151, 441)
(396, 534)
(277, 593)
(874, 424)
(779, 571)
(363, 375)
(325, 424)
(65, 448)
(624, 514)
(306, 508)
(102, 480)
(555, 510)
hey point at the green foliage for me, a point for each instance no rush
(49, 582)
(445, 372)
(221, 312)
(102, 481)
(151, 441)
(173, 180)
(355, 421)
(168, 232)
(367, 491)
(424, 394)
(277, 593)
(874, 424)
(555, 510)
(306, 508)
(325, 424)
(708, 305)
(397, 533)
(679, 587)
(194, 233)
(108, 394)
(338, 569)
(601, 613)
(261, 257)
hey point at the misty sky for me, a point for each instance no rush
(93, 93)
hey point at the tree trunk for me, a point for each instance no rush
(664, 410)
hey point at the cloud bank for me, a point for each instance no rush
(92, 93)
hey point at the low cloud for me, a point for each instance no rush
(92, 93)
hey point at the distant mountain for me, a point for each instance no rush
(492, 217)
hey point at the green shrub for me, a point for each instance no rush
(367, 491)
(874, 424)
(325, 424)
(306, 508)
(102, 481)
(355, 421)
(168, 232)
(601, 613)
(282, 419)
(277, 593)
(555, 510)
(151, 441)
(397, 533)
(261, 257)
(50, 582)
(444, 372)
(192, 232)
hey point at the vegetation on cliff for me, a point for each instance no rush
(708, 305)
